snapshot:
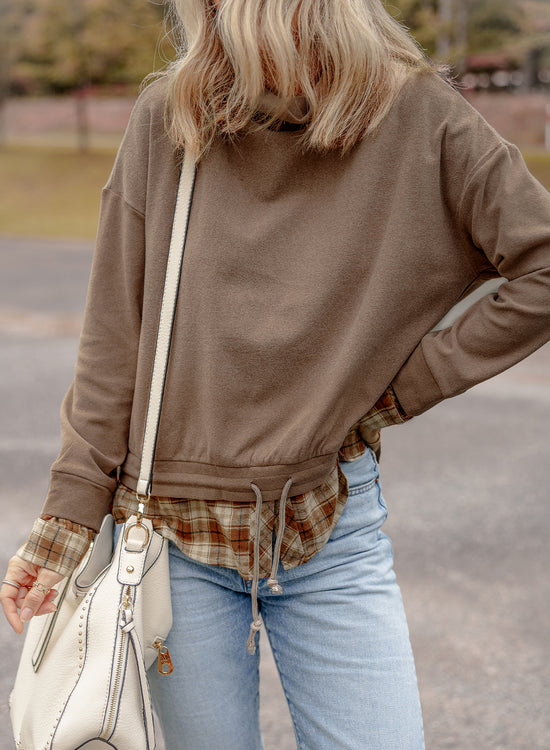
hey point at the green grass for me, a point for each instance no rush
(539, 164)
(51, 192)
(54, 192)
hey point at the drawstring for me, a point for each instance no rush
(256, 622)
(272, 581)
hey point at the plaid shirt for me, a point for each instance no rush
(56, 544)
(222, 533)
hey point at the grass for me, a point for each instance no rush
(539, 164)
(54, 192)
(51, 192)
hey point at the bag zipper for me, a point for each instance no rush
(122, 647)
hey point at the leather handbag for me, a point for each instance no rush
(81, 682)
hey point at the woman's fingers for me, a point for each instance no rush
(13, 590)
(48, 605)
(47, 600)
(7, 598)
(28, 589)
(37, 593)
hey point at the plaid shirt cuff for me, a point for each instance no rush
(386, 411)
(56, 544)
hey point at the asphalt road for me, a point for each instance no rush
(467, 486)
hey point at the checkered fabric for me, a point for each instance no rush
(222, 533)
(56, 544)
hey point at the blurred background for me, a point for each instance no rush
(466, 484)
(70, 71)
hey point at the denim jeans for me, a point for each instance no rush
(338, 634)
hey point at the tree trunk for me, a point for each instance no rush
(445, 18)
(81, 94)
(463, 13)
(531, 68)
(4, 72)
(5, 63)
(82, 119)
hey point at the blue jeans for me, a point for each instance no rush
(338, 634)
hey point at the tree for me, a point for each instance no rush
(449, 30)
(420, 16)
(64, 44)
(493, 24)
(11, 14)
(445, 18)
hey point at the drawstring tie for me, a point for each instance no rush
(272, 581)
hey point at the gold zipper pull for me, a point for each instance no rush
(126, 599)
(164, 664)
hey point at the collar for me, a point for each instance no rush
(294, 113)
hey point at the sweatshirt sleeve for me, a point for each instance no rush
(506, 213)
(95, 413)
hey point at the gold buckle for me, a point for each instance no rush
(138, 525)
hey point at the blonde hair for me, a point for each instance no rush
(348, 58)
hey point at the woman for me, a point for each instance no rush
(346, 197)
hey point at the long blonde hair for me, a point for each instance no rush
(348, 58)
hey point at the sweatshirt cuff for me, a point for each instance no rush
(77, 498)
(56, 544)
(415, 387)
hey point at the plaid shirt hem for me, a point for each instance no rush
(222, 533)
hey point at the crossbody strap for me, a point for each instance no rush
(166, 322)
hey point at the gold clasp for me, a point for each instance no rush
(142, 502)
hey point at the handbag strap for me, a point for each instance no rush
(166, 323)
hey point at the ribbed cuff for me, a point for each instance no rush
(414, 385)
(385, 413)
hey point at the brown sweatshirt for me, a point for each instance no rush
(309, 284)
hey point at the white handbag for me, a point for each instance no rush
(483, 286)
(81, 682)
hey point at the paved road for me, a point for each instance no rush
(466, 484)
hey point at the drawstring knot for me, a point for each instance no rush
(272, 581)
(251, 642)
(275, 586)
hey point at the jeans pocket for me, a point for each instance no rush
(372, 506)
(364, 512)
(361, 474)
(370, 496)
(360, 489)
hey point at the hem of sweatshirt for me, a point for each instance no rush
(414, 385)
(77, 499)
(195, 480)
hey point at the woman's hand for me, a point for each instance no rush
(26, 587)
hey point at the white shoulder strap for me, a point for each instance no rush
(166, 321)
